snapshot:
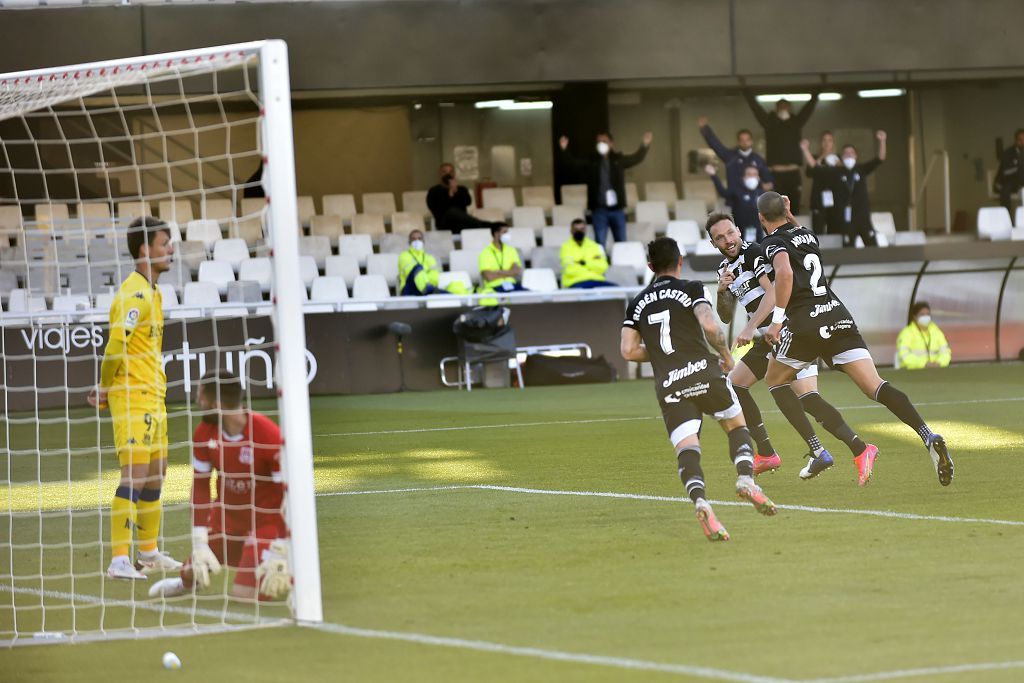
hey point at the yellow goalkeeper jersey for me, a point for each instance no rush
(133, 361)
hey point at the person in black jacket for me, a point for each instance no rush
(826, 217)
(783, 131)
(449, 203)
(604, 172)
(1010, 176)
(851, 192)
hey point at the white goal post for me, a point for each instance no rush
(84, 150)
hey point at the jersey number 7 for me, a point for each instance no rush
(665, 332)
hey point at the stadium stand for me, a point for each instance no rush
(661, 191)
(344, 266)
(994, 223)
(540, 280)
(528, 217)
(342, 205)
(256, 269)
(358, 247)
(368, 224)
(542, 196)
(231, 251)
(370, 287)
(382, 203)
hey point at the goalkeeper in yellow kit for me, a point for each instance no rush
(133, 384)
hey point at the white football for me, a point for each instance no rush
(171, 661)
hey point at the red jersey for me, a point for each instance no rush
(250, 488)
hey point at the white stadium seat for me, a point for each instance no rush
(564, 215)
(655, 212)
(330, 227)
(542, 196)
(555, 235)
(357, 246)
(523, 239)
(574, 195)
(258, 270)
(994, 223)
(466, 261)
(308, 270)
(343, 265)
(503, 198)
(528, 217)
(883, 222)
(341, 205)
(382, 203)
(691, 209)
(540, 280)
(475, 239)
(219, 273)
(661, 191)
(685, 232)
(385, 265)
(370, 287)
(629, 254)
(201, 294)
(231, 251)
(203, 230)
(317, 246)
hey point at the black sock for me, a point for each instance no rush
(741, 450)
(755, 423)
(900, 406)
(791, 407)
(830, 418)
(690, 472)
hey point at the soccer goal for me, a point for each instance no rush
(202, 140)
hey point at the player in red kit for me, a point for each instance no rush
(244, 528)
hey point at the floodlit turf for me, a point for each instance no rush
(630, 582)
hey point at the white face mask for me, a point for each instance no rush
(751, 183)
(849, 162)
(745, 152)
(506, 238)
(924, 320)
(783, 114)
(832, 160)
(603, 148)
(417, 245)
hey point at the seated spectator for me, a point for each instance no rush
(742, 201)
(449, 203)
(500, 265)
(583, 260)
(418, 272)
(921, 344)
(737, 159)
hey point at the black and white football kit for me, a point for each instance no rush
(688, 380)
(747, 268)
(818, 322)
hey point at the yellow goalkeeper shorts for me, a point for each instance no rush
(140, 432)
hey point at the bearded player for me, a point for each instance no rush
(746, 276)
(244, 528)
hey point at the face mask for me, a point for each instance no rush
(849, 162)
(745, 152)
(832, 160)
(578, 235)
(603, 148)
(783, 114)
(417, 245)
(751, 183)
(506, 238)
(924, 320)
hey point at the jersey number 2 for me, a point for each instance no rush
(813, 264)
(666, 332)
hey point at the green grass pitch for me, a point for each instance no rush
(532, 586)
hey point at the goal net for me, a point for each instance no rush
(201, 140)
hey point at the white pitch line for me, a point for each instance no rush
(555, 655)
(678, 499)
(916, 673)
(142, 605)
(423, 430)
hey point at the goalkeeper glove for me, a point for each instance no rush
(204, 562)
(273, 575)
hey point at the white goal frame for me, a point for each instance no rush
(283, 233)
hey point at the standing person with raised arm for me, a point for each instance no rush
(783, 130)
(737, 159)
(605, 173)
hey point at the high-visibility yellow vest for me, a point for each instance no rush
(915, 348)
(582, 262)
(492, 259)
